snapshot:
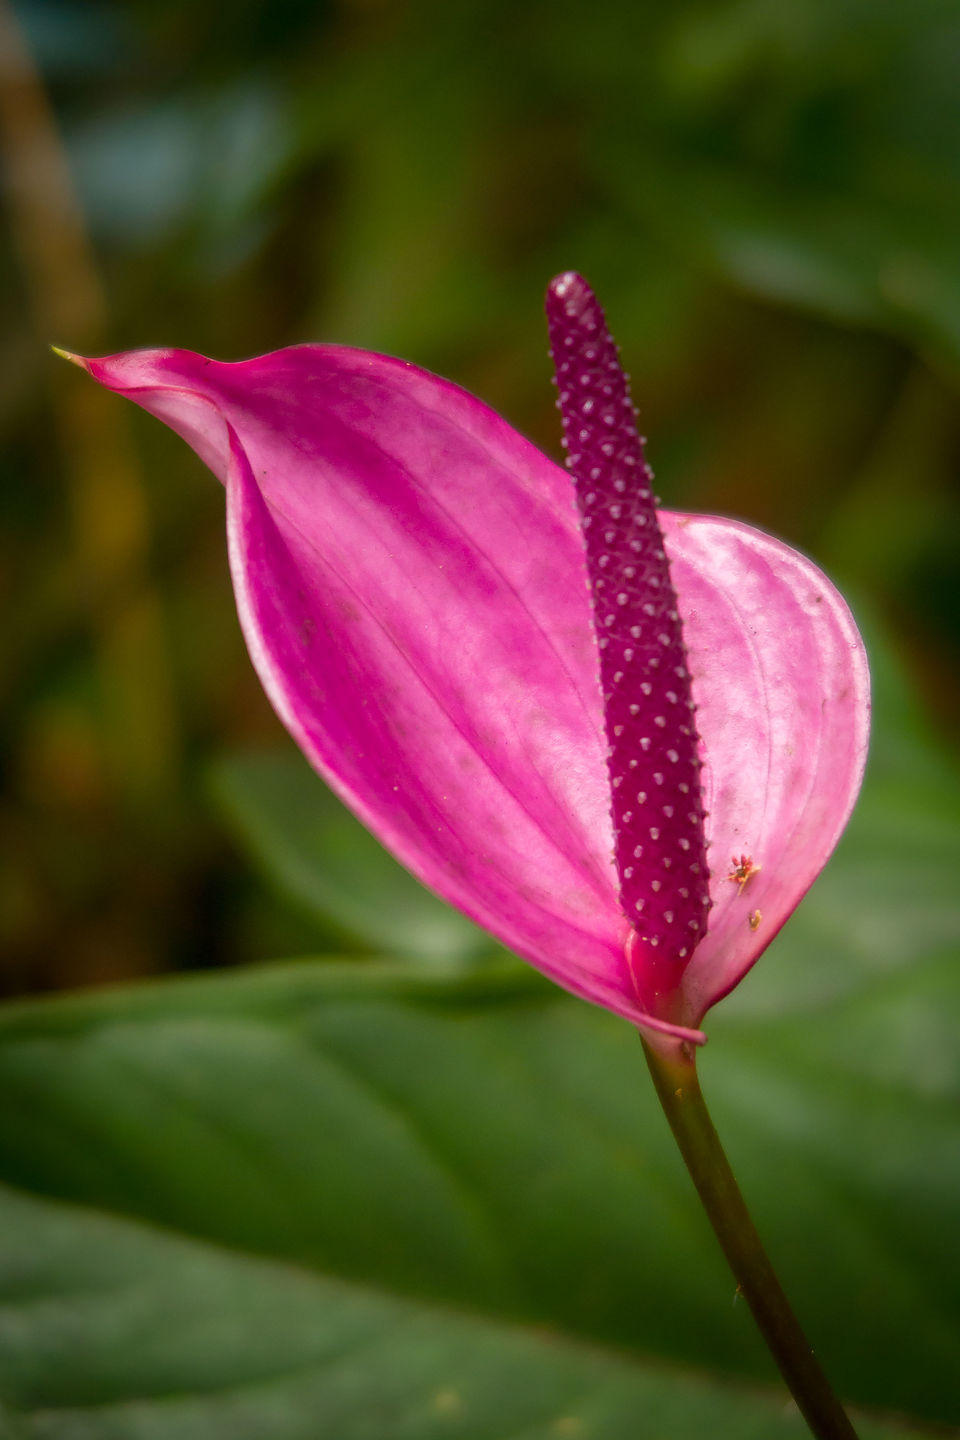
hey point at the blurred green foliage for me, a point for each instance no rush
(766, 194)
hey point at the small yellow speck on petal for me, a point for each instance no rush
(743, 869)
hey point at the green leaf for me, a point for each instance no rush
(114, 1331)
(492, 1146)
(379, 1201)
(316, 854)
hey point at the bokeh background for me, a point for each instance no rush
(359, 1174)
(766, 196)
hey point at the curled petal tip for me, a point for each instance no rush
(77, 360)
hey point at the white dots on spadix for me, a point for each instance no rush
(640, 645)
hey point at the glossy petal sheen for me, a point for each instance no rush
(412, 586)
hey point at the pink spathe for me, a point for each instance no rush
(412, 583)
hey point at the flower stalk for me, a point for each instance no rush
(674, 1072)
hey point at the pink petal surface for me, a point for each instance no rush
(782, 686)
(412, 586)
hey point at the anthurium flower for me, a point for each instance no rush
(623, 740)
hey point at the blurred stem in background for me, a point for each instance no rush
(133, 727)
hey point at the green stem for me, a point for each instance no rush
(675, 1078)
